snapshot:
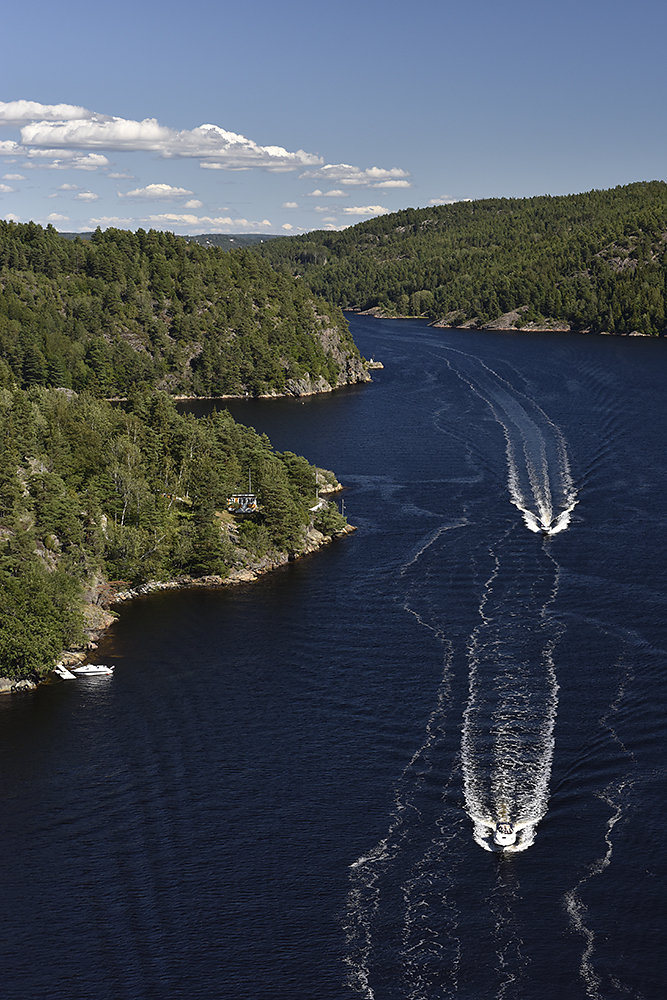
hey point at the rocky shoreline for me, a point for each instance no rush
(506, 323)
(356, 372)
(99, 616)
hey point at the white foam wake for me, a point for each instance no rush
(508, 728)
(539, 478)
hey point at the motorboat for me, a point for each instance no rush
(504, 834)
(93, 670)
(501, 832)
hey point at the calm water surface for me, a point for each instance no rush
(288, 789)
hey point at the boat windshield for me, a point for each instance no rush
(505, 828)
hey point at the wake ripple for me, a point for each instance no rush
(409, 871)
(615, 796)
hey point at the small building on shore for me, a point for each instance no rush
(242, 503)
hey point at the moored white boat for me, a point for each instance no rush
(92, 669)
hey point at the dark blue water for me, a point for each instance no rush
(287, 789)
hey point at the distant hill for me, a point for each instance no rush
(226, 242)
(76, 236)
(222, 240)
(121, 308)
(594, 261)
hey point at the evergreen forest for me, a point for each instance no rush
(119, 309)
(588, 262)
(91, 492)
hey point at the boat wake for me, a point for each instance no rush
(403, 917)
(539, 478)
(508, 725)
(486, 758)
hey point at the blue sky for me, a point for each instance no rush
(323, 114)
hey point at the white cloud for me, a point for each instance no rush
(57, 217)
(329, 218)
(287, 226)
(94, 132)
(6, 189)
(211, 143)
(71, 137)
(181, 220)
(446, 200)
(11, 217)
(18, 112)
(89, 161)
(156, 191)
(13, 177)
(65, 159)
(118, 176)
(220, 166)
(225, 221)
(333, 193)
(68, 187)
(345, 173)
(365, 210)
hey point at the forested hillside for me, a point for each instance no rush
(595, 261)
(91, 492)
(121, 308)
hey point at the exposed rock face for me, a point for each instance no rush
(8, 686)
(71, 659)
(508, 321)
(512, 321)
(355, 371)
(307, 386)
(352, 368)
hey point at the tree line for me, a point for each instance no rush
(121, 308)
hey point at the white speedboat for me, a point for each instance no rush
(504, 834)
(501, 832)
(92, 670)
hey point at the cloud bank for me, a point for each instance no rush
(365, 210)
(375, 177)
(62, 132)
(20, 112)
(218, 147)
(65, 137)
